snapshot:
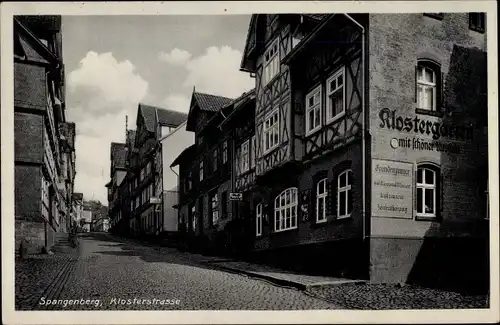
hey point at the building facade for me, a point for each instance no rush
(118, 172)
(44, 140)
(367, 147)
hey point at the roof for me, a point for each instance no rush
(213, 103)
(207, 103)
(165, 116)
(131, 137)
(238, 104)
(171, 118)
(184, 154)
(119, 154)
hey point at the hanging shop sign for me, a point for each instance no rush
(392, 189)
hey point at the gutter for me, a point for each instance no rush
(363, 128)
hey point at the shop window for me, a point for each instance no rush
(285, 210)
(258, 220)
(321, 197)
(427, 191)
(344, 194)
(313, 110)
(428, 86)
(477, 22)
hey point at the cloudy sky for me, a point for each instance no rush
(114, 62)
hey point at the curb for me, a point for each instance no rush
(277, 281)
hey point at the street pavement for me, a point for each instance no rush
(112, 274)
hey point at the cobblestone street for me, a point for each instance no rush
(112, 272)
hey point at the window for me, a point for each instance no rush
(258, 220)
(321, 195)
(223, 200)
(313, 110)
(201, 170)
(285, 210)
(426, 192)
(477, 22)
(243, 156)
(426, 87)
(335, 96)
(224, 152)
(214, 208)
(193, 217)
(253, 152)
(215, 159)
(271, 131)
(271, 62)
(344, 195)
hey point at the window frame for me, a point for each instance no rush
(335, 75)
(242, 154)
(481, 26)
(269, 129)
(214, 207)
(433, 67)
(321, 196)
(348, 190)
(317, 107)
(268, 62)
(258, 220)
(424, 186)
(253, 152)
(224, 152)
(279, 217)
(215, 159)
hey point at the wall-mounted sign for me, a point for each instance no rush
(392, 189)
(235, 196)
(437, 130)
(154, 200)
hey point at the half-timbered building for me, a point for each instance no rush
(361, 140)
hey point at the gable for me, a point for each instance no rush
(29, 47)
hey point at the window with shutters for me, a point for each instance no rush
(344, 194)
(427, 187)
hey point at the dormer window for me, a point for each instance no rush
(271, 62)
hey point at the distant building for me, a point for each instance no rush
(44, 140)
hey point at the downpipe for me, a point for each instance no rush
(363, 127)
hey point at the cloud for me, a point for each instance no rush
(177, 102)
(102, 91)
(216, 72)
(175, 57)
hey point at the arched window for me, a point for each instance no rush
(285, 210)
(258, 220)
(428, 85)
(344, 194)
(427, 185)
(321, 195)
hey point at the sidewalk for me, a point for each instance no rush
(281, 277)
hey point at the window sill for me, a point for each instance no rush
(343, 217)
(315, 130)
(285, 230)
(268, 151)
(425, 218)
(423, 111)
(335, 118)
(269, 83)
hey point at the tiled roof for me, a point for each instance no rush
(118, 154)
(165, 116)
(211, 103)
(171, 118)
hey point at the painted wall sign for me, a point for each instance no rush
(391, 121)
(392, 189)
